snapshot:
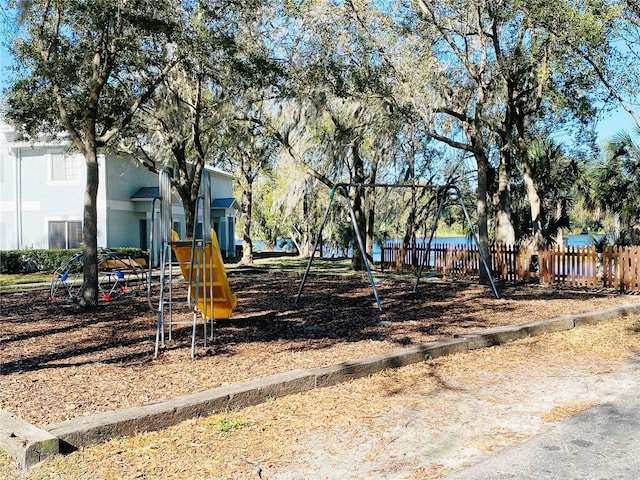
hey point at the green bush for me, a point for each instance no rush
(10, 261)
(133, 252)
(29, 261)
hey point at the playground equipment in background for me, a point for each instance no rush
(441, 191)
(200, 262)
(115, 270)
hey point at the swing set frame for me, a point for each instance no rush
(442, 192)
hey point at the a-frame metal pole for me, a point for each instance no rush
(362, 249)
(475, 239)
(358, 236)
(315, 245)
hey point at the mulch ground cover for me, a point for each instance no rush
(59, 361)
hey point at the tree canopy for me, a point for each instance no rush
(85, 69)
(502, 96)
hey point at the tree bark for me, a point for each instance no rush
(371, 209)
(90, 285)
(247, 246)
(357, 202)
(481, 205)
(535, 204)
(306, 240)
(505, 233)
(189, 206)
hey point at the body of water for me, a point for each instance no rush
(570, 240)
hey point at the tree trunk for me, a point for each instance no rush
(371, 209)
(189, 207)
(90, 285)
(535, 204)
(472, 132)
(186, 180)
(357, 262)
(371, 218)
(481, 205)
(357, 202)
(505, 233)
(247, 246)
(306, 240)
(559, 213)
(183, 188)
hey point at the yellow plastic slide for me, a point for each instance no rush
(213, 291)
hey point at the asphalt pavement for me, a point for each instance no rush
(596, 444)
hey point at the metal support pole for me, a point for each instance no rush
(362, 249)
(315, 245)
(475, 239)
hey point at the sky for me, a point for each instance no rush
(5, 62)
(609, 126)
(619, 120)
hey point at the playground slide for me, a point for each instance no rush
(213, 290)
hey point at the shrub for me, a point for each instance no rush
(10, 261)
(29, 261)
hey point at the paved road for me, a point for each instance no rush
(597, 444)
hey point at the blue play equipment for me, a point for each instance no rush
(115, 270)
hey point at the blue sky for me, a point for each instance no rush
(5, 61)
(619, 120)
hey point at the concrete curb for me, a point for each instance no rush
(501, 335)
(80, 432)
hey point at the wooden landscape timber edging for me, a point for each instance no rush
(25, 443)
(616, 267)
(29, 445)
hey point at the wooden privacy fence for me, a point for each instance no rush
(574, 266)
(506, 262)
(616, 267)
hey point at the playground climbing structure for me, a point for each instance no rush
(195, 264)
(115, 271)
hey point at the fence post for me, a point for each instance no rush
(542, 265)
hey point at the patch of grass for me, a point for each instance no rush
(225, 425)
(276, 264)
(9, 279)
(297, 265)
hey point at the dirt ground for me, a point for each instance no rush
(59, 361)
(418, 422)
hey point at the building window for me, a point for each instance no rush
(64, 235)
(65, 168)
(144, 233)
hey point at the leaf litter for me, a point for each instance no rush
(421, 421)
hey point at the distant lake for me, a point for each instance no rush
(570, 240)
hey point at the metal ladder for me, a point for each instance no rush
(162, 253)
